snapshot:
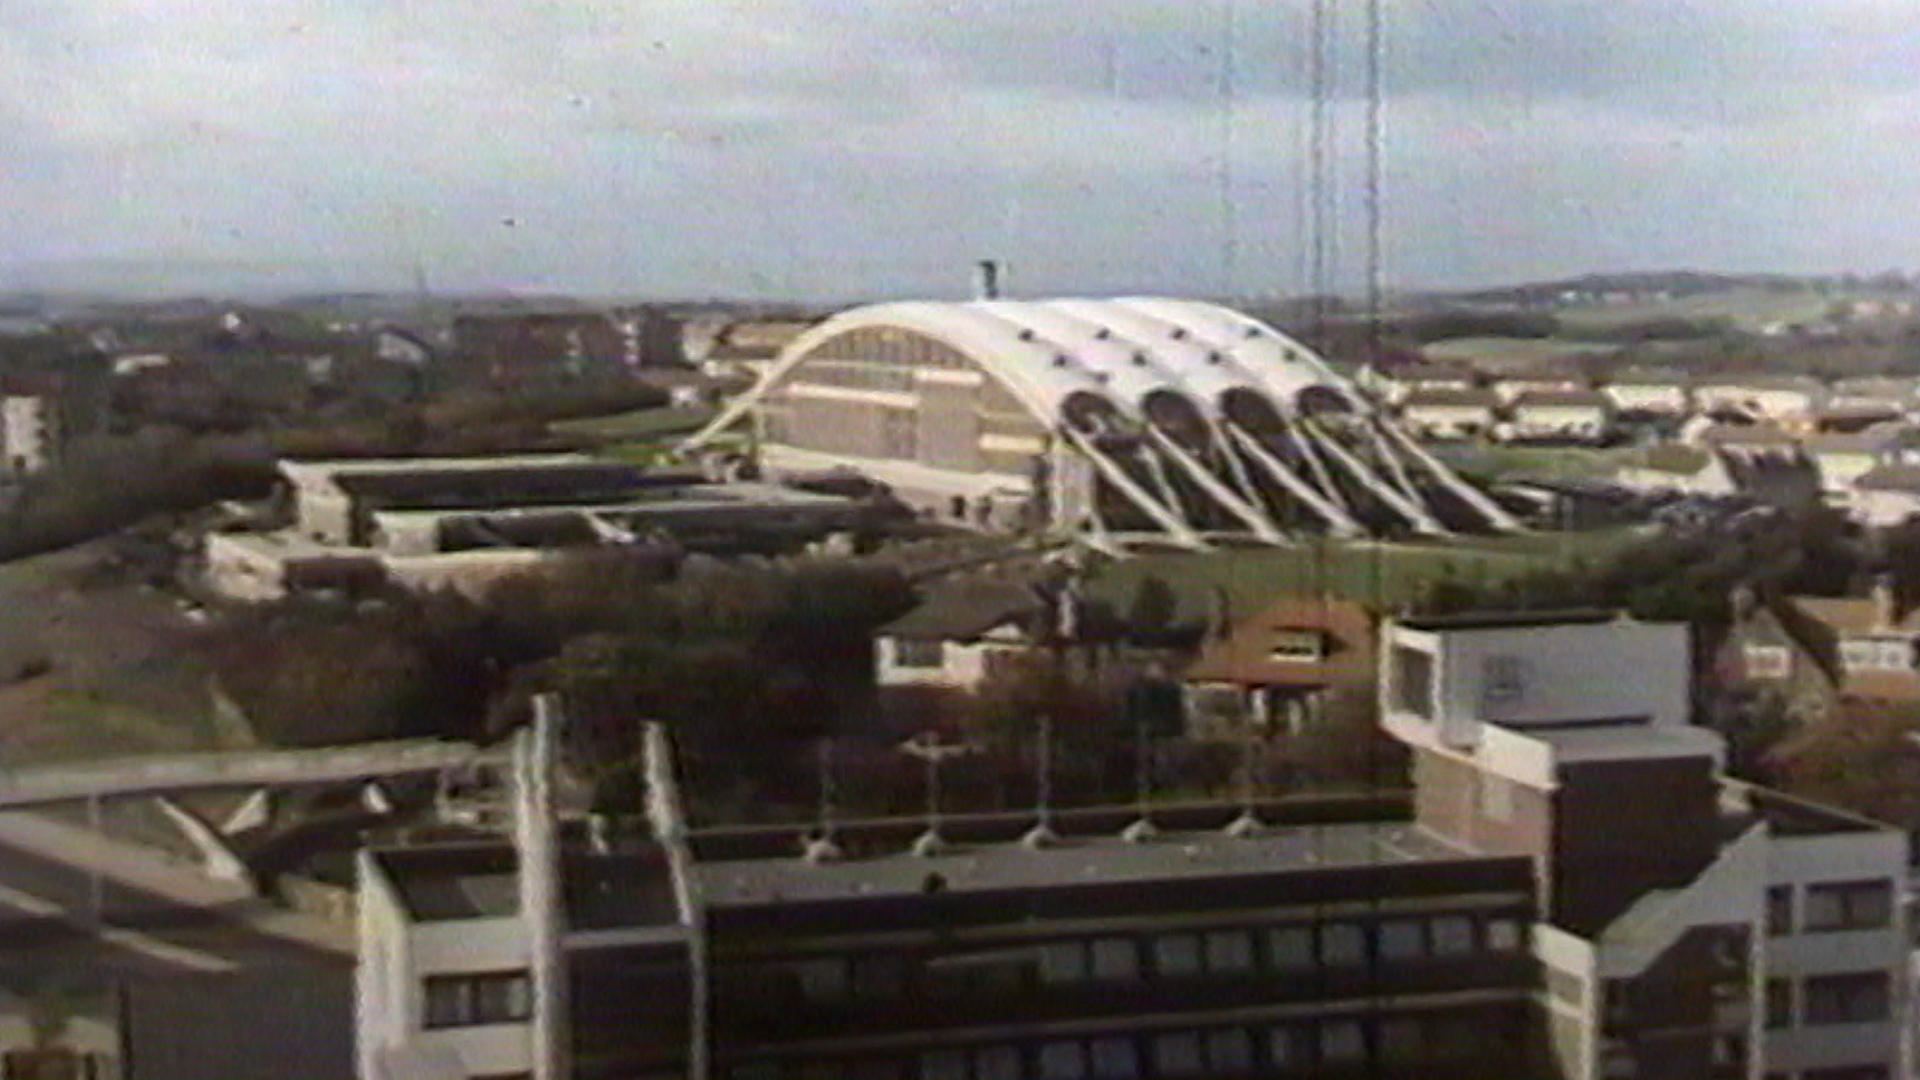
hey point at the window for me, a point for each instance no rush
(465, 1000)
(1847, 999)
(1780, 910)
(1177, 1053)
(1851, 905)
(1290, 948)
(1503, 680)
(1286, 1046)
(1504, 935)
(1176, 954)
(1115, 958)
(1766, 661)
(918, 654)
(944, 1065)
(1452, 935)
(1229, 950)
(1063, 962)
(1342, 944)
(1403, 939)
(1229, 1050)
(1115, 1059)
(1413, 681)
(1063, 1061)
(1297, 647)
(824, 979)
(1779, 1004)
(1401, 1039)
(998, 1063)
(1342, 1040)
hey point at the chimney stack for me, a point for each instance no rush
(1886, 606)
(987, 279)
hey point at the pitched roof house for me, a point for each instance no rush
(1278, 666)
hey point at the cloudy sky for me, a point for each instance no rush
(842, 148)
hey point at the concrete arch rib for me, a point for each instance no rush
(1283, 364)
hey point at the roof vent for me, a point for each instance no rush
(1103, 377)
(1139, 359)
(1102, 334)
(1216, 358)
(1253, 331)
(1179, 333)
(1061, 360)
(1026, 333)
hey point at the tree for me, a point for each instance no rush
(1863, 759)
(1153, 608)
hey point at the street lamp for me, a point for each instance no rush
(930, 750)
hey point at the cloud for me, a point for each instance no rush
(848, 146)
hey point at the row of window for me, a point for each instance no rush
(1228, 1051)
(1224, 952)
(1860, 998)
(500, 997)
(1831, 906)
(889, 346)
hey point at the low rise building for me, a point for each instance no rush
(1886, 495)
(29, 435)
(1692, 470)
(1577, 893)
(1578, 416)
(1876, 643)
(1278, 668)
(1773, 398)
(1450, 413)
(1650, 392)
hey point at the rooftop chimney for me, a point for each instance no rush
(1886, 606)
(987, 279)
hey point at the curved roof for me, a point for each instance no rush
(1122, 350)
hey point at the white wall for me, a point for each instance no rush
(1569, 673)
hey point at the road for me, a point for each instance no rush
(206, 986)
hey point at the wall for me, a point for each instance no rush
(1854, 856)
(1569, 673)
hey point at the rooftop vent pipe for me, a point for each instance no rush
(987, 279)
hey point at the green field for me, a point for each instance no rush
(1746, 309)
(1511, 352)
(1386, 575)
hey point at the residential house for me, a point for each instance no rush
(1638, 392)
(1842, 459)
(964, 633)
(1278, 668)
(1400, 384)
(1579, 416)
(1876, 641)
(1449, 414)
(1510, 388)
(1761, 650)
(1775, 398)
(1886, 495)
(1900, 394)
(1852, 418)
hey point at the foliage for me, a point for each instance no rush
(1863, 759)
(108, 483)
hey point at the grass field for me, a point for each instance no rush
(1747, 309)
(1512, 352)
(1385, 575)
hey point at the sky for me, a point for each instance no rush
(862, 148)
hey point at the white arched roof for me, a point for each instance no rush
(1120, 350)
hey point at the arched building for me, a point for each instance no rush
(1117, 420)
